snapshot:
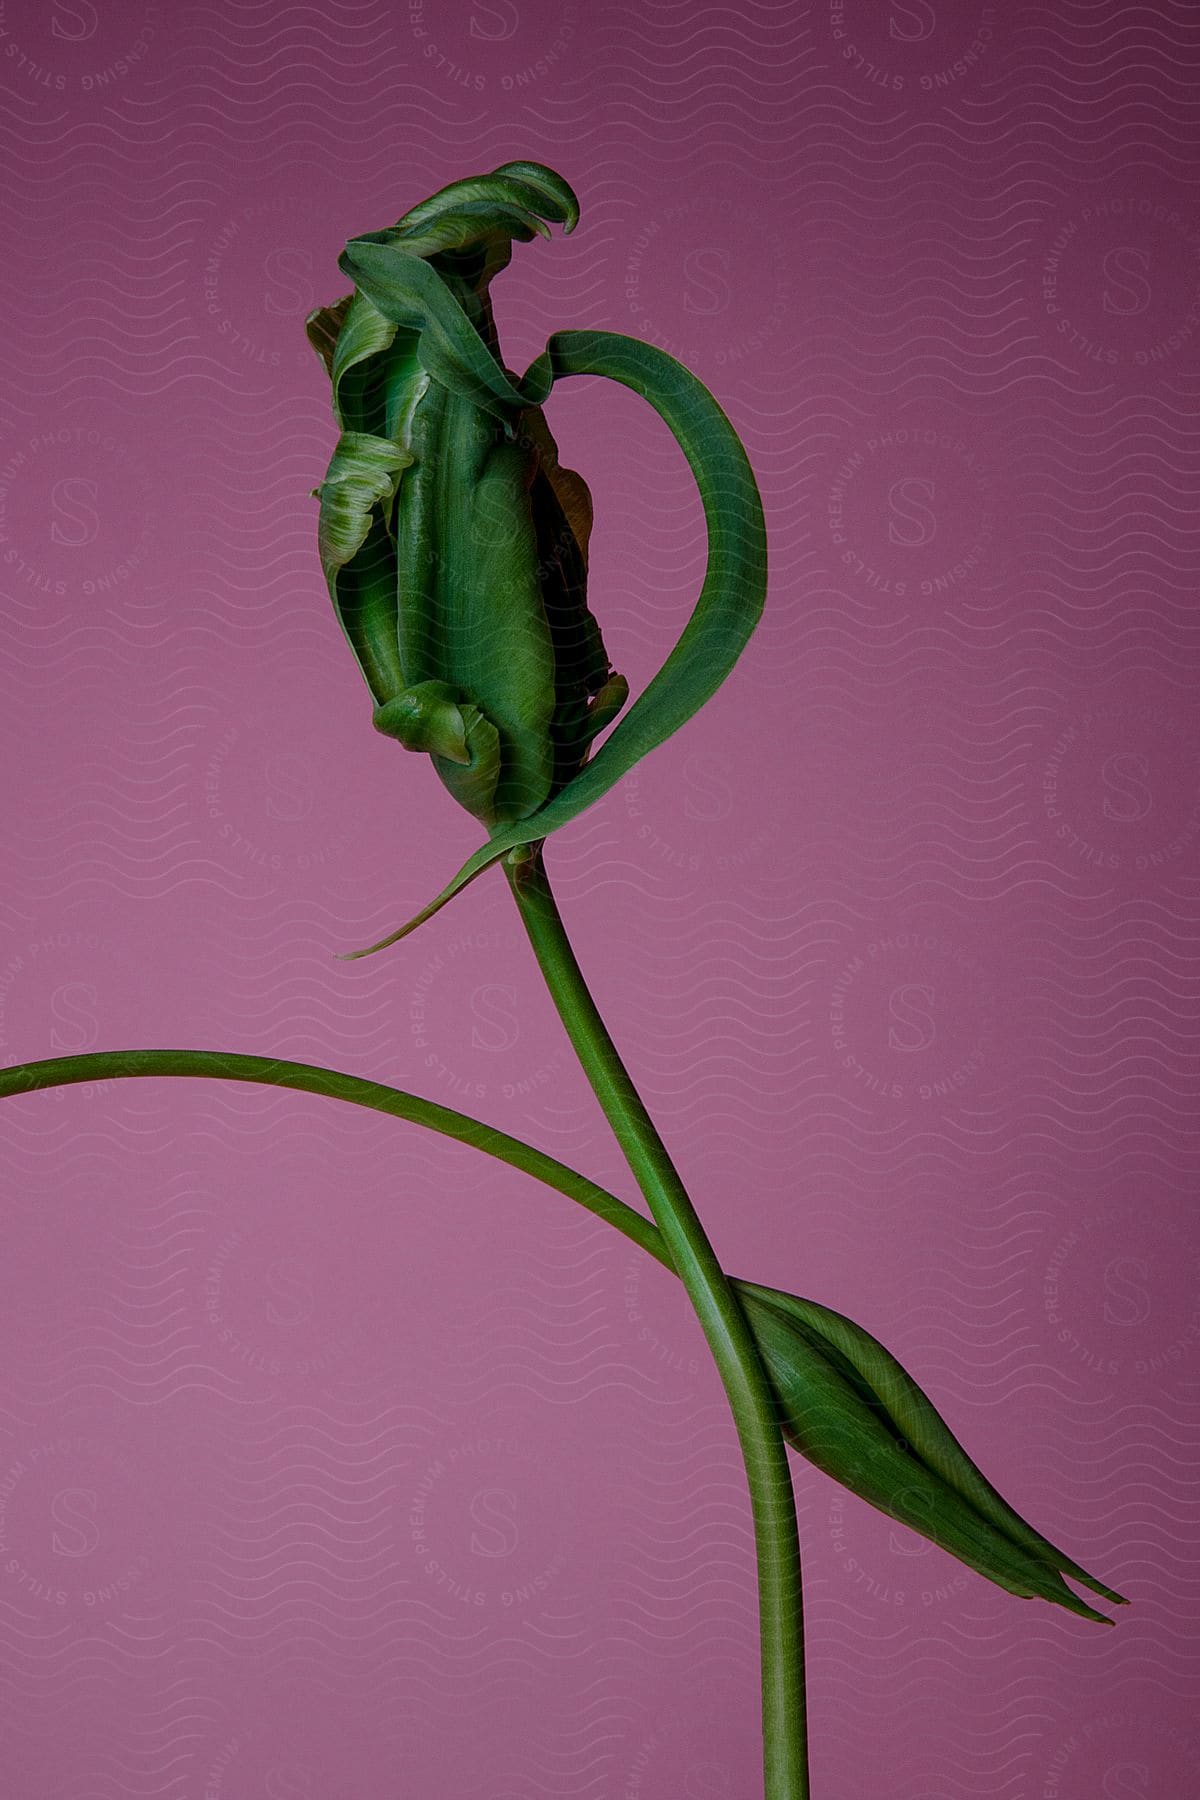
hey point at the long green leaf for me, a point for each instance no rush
(727, 610)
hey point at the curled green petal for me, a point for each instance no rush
(426, 717)
(324, 328)
(365, 337)
(363, 473)
(462, 740)
(356, 497)
(475, 778)
(429, 273)
(410, 293)
(605, 707)
(557, 198)
(478, 209)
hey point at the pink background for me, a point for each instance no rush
(335, 1461)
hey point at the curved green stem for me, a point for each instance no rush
(770, 1485)
(311, 1078)
(724, 1324)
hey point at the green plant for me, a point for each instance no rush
(455, 549)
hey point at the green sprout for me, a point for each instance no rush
(454, 545)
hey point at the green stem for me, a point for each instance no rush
(310, 1078)
(785, 1750)
(771, 1490)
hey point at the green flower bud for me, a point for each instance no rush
(453, 541)
(455, 544)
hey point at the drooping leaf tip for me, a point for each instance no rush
(385, 943)
(551, 186)
(468, 873)
(354, 955)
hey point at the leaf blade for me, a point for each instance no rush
(853, 1410)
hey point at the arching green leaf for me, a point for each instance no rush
(726, 612)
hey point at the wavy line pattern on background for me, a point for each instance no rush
(901, 938)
